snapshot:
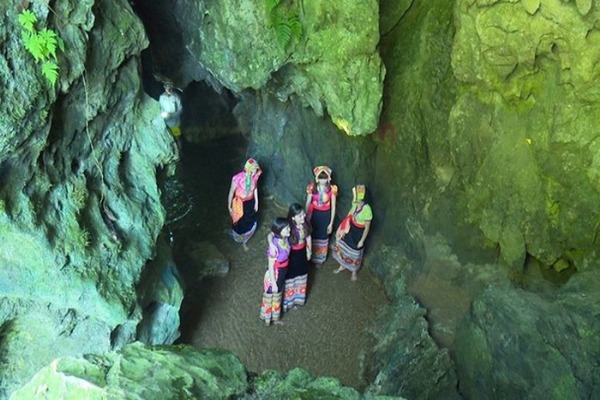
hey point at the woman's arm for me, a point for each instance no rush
(333, 202)
(256, 199)
(361, 243)
(308, 247)
(272, 278)
(230, 197)
(272, 257)
(308, 199)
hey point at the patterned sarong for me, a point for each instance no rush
(295, 292)
(347, 257)
(270, 308)
(319, 250)
(320, 238)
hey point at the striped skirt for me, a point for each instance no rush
(319, 250)
(295, 292)
(320, 239)
(347, 257)
(270, 307)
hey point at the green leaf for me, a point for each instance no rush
(35, 46)
(295, 26)
(50, 71)
(284, 33)
(48, 40)
(271, 4)
(61, 44)
(27, 19)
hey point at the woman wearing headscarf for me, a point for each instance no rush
(352, 233)
(321, 198)
(242, 202)
(297, 274)
(278, 253)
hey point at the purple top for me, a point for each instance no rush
(275, 250)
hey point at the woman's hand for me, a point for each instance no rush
(361, 244)
(329, 229)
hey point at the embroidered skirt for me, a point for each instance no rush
(296, 280)
(270, 306)
(320, 239)
(346, 251)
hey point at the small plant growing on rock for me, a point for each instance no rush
(284, 21)
(41, 45)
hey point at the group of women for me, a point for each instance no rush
(301, 238)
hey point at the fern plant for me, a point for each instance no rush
(285, 22)
(41, 45)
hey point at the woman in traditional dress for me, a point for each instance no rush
(297, 274)
(320, 205)
(278, 253)
(242, 202)
(352, 233)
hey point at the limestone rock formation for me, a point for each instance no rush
(405, 360)
(333, 66)
(524, 128)
(79, 203)
(140, 372)
(526, 345)
(175, 372)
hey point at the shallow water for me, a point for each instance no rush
(326, 337)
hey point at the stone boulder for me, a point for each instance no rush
(175, 372)
(206, 260)
(140, 372)
(517, 344)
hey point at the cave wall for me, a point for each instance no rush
(487, 129)
(79, 203)
(332, 67)
(526, 73)
(487, 126)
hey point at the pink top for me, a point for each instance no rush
(244, 189)
(321, 201)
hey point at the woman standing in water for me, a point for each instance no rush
(278, 253)
(242, 202)
(352, 233)
(297, 274)
(320, 205)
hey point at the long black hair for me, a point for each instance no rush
(294, 210)
(278, 225)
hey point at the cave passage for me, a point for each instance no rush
(326, 337)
